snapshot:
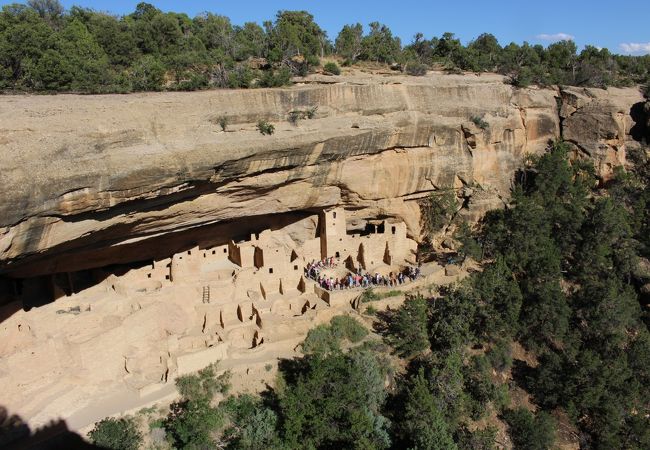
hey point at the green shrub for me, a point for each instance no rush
(223, 122)
(336, 402)
(416, 69)
(312, 60)
(479, 386)
(501, 399)
(332, 68)
(469, 245)
(500, 356)
(345, 327)
(276, 78)
(368, 295)
(203, 384)
(294, 116)
(452, 69)
(530, 432)
(326, 338)
(193, 421)
(265, 128)
(297, 114)
(521, 78)
(147, 74)
(424, 422)
(371, 310)
(407, 329)
(240, 77)
(438, 209)
(311, 112)
(320, 340)
(157, 423)
(253, 425)
(483, 439)
(195, 82)
(116, 434)
(480, 122)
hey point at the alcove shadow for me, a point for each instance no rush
(640, 114)
(15, 434)
(72, 267)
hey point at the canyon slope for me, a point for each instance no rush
(88, 181)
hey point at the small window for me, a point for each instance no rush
(204, 254)
(394, 229)
(166, 277)
(341, 240)
(295, 267)
(189, 252)
(148, 275)
(334, 214)
(338, 255)
(214, 252)
(270, 269)
(225, 250)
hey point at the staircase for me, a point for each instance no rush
(206, 294)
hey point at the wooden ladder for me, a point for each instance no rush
(206, 294)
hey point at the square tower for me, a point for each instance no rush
(332, 229)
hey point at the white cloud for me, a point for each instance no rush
(635, 47)
(555, 37)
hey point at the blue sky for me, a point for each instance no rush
(622, 26)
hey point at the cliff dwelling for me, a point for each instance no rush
(136, 329)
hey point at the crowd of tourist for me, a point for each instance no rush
(356, 279)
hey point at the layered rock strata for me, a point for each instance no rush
(88, 181)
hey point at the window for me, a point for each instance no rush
(394, 229)
(334, 215)
(225, 250)
(148, 275)
(189, 252)
(295, 267)
(338, 255)
(166, 277)
(270, 269)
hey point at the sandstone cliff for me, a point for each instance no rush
(88, 181)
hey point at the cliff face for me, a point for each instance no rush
(88, 181)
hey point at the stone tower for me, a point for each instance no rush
(332, 231)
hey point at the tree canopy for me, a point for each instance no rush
(43, 47)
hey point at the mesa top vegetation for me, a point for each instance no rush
(45, 48)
